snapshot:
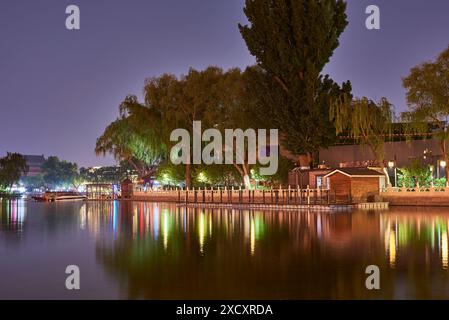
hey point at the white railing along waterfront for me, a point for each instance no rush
(295, 196)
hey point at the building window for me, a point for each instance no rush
(319, 182)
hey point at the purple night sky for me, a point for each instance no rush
(60, 88)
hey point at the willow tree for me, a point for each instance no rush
(182, 100)
(170, 102)
(219, 99)
(427, 88)
(292, 41)
(135, 137)
(367, 122)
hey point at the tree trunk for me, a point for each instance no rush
(188, 176)
(446, 169)
(446, 159)
(378, 152)
(387, 176)
(246, 179)
(305, 160)
(243, 171)
(134, 165)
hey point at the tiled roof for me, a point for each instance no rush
(357, 172)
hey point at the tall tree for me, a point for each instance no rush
(134, 137)
(12, 167)
(34, 182)
(143, 130)
(427, 88)
(58, 173)
(181, 101)
(367, 122)
(292, 41)
(237, 111)
(219, 99)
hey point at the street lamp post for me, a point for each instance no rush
(391, 165)
(431, 174)
(438, 169)
(441, 164)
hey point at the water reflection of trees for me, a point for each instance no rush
(164, 251)
(416, 246)
(12, 216)
(20, 218)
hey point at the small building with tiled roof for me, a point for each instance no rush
(356, 184)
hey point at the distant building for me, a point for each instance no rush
(107, 174)
(34, 164)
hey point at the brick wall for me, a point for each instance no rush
(362, 187)
(340, 184)
(359, 188)
(417, 198)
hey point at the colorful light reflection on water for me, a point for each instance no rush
(12, 214)
(157, 251)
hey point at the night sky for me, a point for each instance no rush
(59, 88)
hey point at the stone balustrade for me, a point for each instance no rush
(414, 190)
(417, 196)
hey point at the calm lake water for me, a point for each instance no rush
(159, 251)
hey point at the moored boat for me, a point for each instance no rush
(50, 196)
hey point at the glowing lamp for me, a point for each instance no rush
(443, 163)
